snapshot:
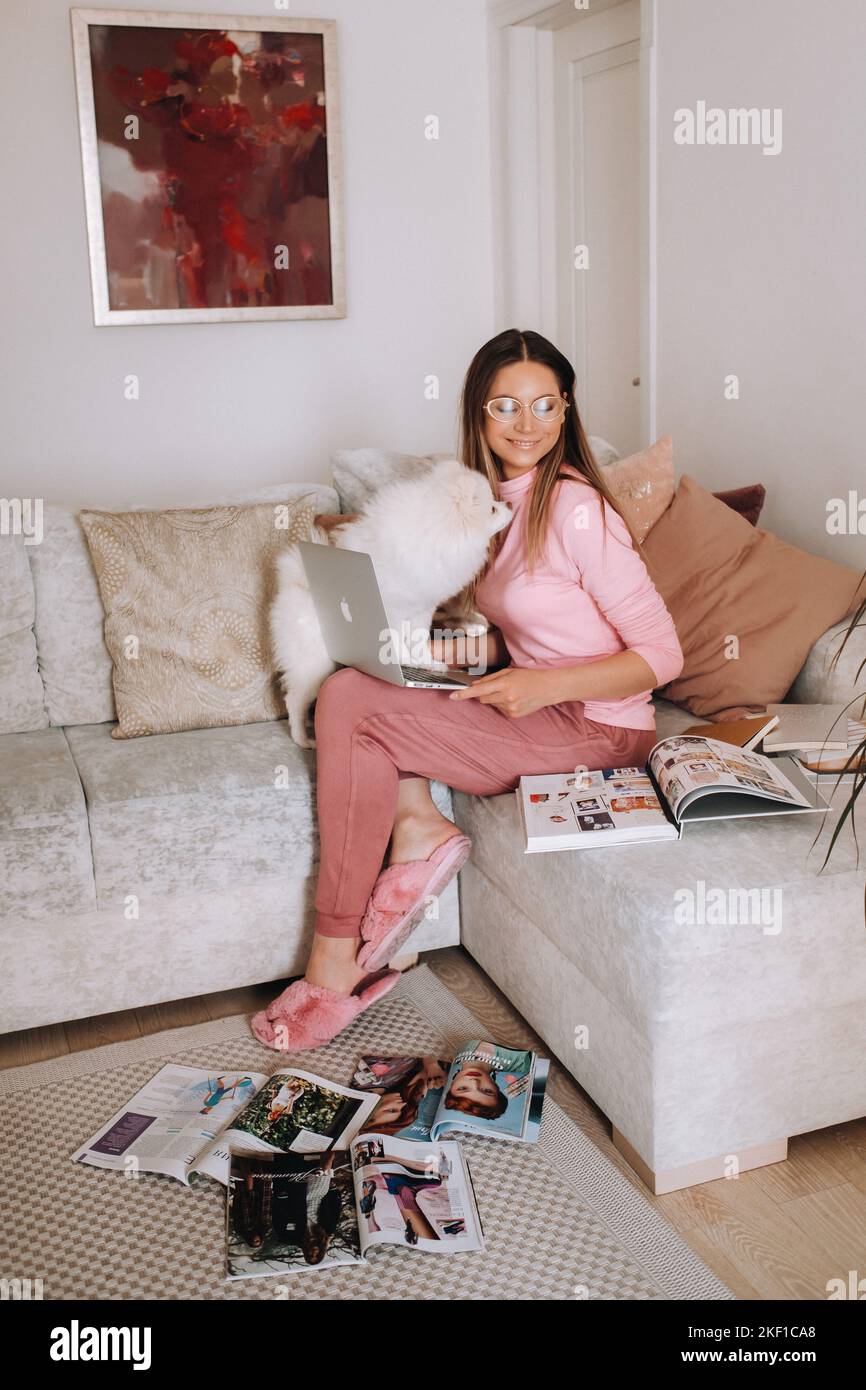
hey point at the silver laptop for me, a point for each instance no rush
(353, 620)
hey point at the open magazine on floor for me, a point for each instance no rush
(183, 1121)
(300, 1211)
(687, 778)
(487, 1089)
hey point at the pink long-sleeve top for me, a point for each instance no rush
(589, 596)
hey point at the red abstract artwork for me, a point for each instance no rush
(212, 155)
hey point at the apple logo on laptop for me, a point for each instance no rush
(345, 609)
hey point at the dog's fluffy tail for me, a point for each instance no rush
(290, 566)
(299, 651)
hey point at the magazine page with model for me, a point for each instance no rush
(290, 1213)
(495, 1091)
(409, 1091)
(416, 1195)
(487, 1089)
(183, 1120)
(293, 1212)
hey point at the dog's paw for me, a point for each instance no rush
(298, 731)
(301, 737)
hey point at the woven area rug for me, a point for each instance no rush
(559, 1221)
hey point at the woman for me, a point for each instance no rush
(405, 1191)
(579, 638)
(286, 1099)
(402, 1089)
(251, 1203)
(474, 1088)
(306, 1204)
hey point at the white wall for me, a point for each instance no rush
(228, 404)
(761, 258)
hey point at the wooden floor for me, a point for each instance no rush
(774, 1233)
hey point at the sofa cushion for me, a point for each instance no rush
(747, 501)
(192, 589)
(73, 659)
(22, 698)
(45, 865)
(834, 672)
(747, 606)
(197, 811)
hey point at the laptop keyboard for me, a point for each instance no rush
(423, 673)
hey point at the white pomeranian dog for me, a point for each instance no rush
(428, 537)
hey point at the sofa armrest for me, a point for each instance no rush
(823, 680)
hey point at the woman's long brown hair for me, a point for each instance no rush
(572, 447)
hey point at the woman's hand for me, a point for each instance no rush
(434, 1076)
(516, 690)
(328, 521)
(472, 650)
(516, 1085)
(443, 649)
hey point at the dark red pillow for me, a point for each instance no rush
(747, 501)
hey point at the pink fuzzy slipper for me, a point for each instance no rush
(306, 1016)
(400, 897)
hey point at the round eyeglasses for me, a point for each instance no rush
(507, 409)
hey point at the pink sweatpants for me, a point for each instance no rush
(369, 733)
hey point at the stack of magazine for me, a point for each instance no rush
(318, 1173)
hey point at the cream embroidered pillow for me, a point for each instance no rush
(186, 597)
(643, 484)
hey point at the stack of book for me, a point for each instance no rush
(823, 738)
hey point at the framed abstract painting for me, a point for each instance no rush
(211, 153)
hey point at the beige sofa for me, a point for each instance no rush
(137, 871)
(141, 870)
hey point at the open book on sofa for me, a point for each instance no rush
(687, 778)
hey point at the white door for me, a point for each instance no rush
(597, 122)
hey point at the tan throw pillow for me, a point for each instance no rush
(643, 484)
(186, 597)
(747, 606)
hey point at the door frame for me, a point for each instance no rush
(521, 47)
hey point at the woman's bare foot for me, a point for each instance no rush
(419, 827)
(416, 837)
(333, 963)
